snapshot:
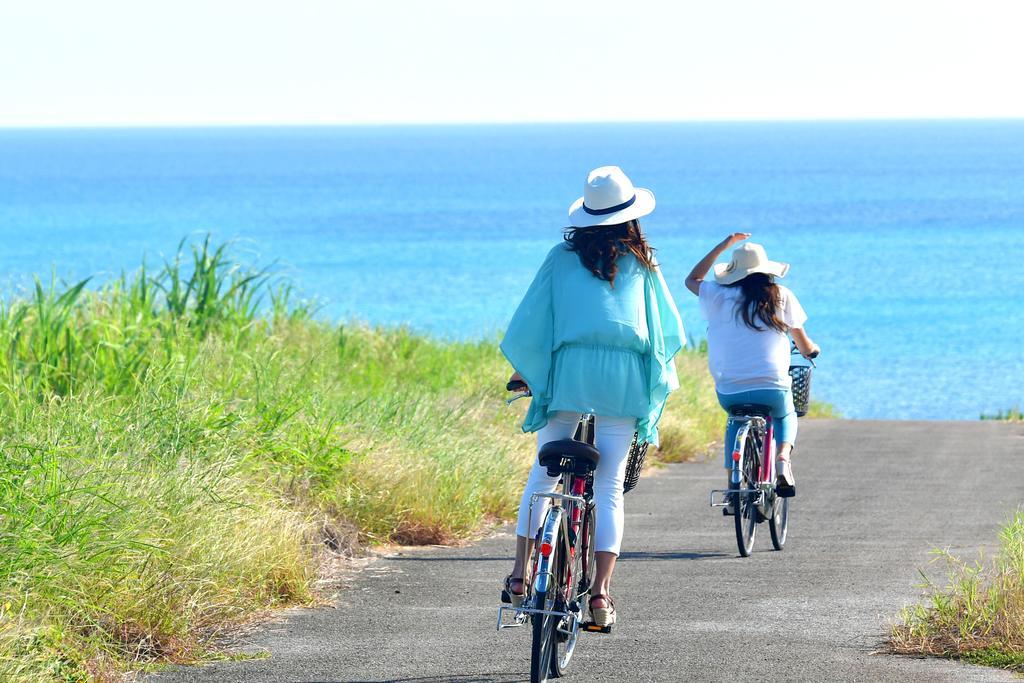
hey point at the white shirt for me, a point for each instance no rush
(741, 358)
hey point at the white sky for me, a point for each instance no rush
(136, 62)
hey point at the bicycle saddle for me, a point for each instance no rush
(578, 457)
(750, 409)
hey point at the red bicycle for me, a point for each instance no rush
(752, 497)
(561, 579)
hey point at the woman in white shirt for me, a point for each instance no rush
(750, 319)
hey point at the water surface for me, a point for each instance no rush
(906, 239)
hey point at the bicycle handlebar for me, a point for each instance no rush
(520, 387)
(809, 356)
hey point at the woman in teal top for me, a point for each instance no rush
(595, 333)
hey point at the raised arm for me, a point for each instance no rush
(803, 343)
(700, 270)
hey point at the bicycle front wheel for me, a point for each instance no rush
(576, 576)
(585, 564)
(745, 503)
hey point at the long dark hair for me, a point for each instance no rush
(759, 301)
(600, 247)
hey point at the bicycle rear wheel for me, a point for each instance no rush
(745, 504)
(778, 525)
(544, 625)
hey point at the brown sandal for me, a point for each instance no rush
(511, 597)
(602, 616)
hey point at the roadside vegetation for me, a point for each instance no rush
(184, 448)
(1012, 415)
(979, 615)
(822, 411)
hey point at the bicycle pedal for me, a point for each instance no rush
(594, 628)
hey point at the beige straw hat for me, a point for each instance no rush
(746, 259)
(609, 198)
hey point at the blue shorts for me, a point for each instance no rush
(783, 415)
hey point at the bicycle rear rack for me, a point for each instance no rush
(727, 493)
(522, 612)
(519, 619)
(557, 497)
(542, 578)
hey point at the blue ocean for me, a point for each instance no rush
(906, 239)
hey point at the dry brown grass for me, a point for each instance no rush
(978, 615)
(693, 421)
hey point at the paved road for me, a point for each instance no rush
(874, 497)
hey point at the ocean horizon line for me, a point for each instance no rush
(115, 126)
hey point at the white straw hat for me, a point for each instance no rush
(609, 198)
(746, 259)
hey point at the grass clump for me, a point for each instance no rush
(132, 525)
(1012, 415)
(818, 410)
(979, 615)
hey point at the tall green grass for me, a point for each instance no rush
(179, 444)
(130, 517)
(979, 614)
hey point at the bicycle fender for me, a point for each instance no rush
(739, 447)
(551, 525)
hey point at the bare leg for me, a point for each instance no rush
(785, 448)
(524, 547)
(784, 469)
(603, 576)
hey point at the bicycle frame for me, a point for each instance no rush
(766, 473)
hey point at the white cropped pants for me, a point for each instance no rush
(612, 438)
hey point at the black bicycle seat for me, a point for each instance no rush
(745, 409)
(569, 455)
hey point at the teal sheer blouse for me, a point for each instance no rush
(585, 346)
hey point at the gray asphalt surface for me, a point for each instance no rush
(873, 499)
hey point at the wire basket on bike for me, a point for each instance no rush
(634, 464)
(801, 375)
(800, 372)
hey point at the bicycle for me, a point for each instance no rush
(561, 572)
(752, 489)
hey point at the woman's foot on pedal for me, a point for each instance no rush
(785, 484)
(510, 595)
(602, 613)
